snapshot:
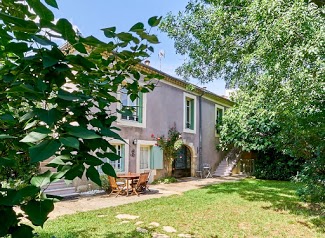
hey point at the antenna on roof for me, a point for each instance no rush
(161, 55)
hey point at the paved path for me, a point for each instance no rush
(82, 204)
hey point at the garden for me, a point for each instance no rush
(249, 208)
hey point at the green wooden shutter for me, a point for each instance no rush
(140, 107)
(156, 158)
(123, 158)
(192, 114)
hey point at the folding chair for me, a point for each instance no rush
(141, 185)
(117, 187)
(207, 168)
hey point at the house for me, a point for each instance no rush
(193, 111)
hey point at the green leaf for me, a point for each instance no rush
(152, 39)
(80, 48)
(4, 136)
(66, 30)
(109, 32)
(124, 36)
(43, 40)
(49, 60)
(111, 156)
(82, 132)
(44, 150)
(75, 171)
(37, 211)
(41, 180)
(33, 137)
(93, 175)
(154, 21)
(29, 26)
(108, 169)
(26, 192)
(52, 3)
(92, 160)
(17, 47)
(30, 125)
(137, 27)
(41, 10)
(7, 162)
(70, 142)
(109, 133)
(26, 116)
(50, 117)
(22, 231)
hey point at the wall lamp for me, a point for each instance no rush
(135, 141)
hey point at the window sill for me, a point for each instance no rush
(130, 123)
(189, 131)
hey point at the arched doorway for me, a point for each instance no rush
(182, 163)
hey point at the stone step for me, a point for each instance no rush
(62, 192)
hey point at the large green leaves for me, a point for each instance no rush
(84, 133)
(38, 211)
(43, 150)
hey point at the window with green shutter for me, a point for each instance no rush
(156, 158)
(119, 165)
(131, 110)
(189, 113)
(219, 115)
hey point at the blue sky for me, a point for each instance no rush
(91, 16)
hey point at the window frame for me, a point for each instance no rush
(218, 107)
(143, 110)
(186, 97)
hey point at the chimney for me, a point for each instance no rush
(147, 62)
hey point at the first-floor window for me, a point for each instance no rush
(144, 157)
(219, 115)
(132, 110)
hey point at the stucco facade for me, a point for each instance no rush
(165, 107)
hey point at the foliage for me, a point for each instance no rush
(273, 53)
(170, 146)
(55, 101)
(262, 208)
(276, 166)
(312, 177)
(105, 183)
(165, 180)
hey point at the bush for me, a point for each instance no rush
(273, 165)
(105, 183)
(165, 180)
(312, 178)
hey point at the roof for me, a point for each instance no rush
(179, 82)
(182, 83)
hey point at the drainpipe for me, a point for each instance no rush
(200, 130)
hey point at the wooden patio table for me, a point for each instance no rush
(129, 177)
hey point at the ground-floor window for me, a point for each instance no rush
(118, 165)
(145, 157)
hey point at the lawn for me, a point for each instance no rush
(249, 208)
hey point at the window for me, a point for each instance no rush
(118, 165)
(189, 113)
(219, 115)
(144, 157)
(131, 110)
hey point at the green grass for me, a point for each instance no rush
(250, 208)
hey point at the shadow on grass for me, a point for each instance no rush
(281, 195)
(85, 234)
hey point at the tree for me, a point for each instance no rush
(56, 103)
(274, 53)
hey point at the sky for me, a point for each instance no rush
(89, 16)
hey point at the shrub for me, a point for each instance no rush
(312, 177)
(273, 165)
(165, 180)
(105, 183)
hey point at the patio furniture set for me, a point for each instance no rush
(134, 183)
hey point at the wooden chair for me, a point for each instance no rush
(141, 185)
(149, 172)
(117, 187)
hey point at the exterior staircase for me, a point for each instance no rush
(58, 188)
(228, 163)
